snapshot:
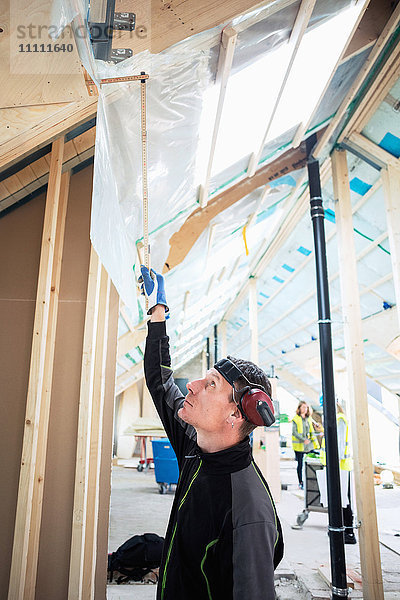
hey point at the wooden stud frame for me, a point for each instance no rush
(363, 468)
(126, 380)
(131, 339)
(371, 150)
(226, 52)
(391, 186)
(96, 435)
(89, 440)
(84, 428)
(28, 517)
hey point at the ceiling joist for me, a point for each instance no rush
(298, 31)
(182, 241)
(226, 52)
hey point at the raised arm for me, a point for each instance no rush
(166, 395)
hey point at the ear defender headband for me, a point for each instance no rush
(253, 401)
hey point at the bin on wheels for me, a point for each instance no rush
(312, 498)
(166, 467)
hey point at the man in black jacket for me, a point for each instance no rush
(224, 537)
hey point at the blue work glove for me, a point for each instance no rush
(153, 288)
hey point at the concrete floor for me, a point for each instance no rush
(137, 507)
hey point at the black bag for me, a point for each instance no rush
(136, 557)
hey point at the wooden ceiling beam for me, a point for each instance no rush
(130, 340)
(369, 28)
(183, 240)
(226, 52)
(127, 379)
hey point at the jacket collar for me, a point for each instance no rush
(230, 460)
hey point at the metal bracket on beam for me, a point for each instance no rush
(120, 54)
(124, 21)
(346, 145)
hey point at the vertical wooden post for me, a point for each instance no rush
(96, 434)
(253, 319)
(391, 187)
(363, 469)
(84, 428)
(27, 521)
(266, 452)
(38, 485)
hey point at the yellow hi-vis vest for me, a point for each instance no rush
(299, 446)
(346, 463)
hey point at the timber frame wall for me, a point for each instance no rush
(59, 319)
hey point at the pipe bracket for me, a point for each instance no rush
(343, 592)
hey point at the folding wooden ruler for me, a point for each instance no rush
(142, 78)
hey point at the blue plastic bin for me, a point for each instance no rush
(165, 464)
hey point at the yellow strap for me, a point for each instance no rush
(244, 239)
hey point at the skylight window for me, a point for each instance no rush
(252, 92)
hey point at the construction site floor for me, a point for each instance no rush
(138, 507)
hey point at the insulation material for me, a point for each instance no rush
(213, 270)
(384, 126)
(338, 87)
(386, 291)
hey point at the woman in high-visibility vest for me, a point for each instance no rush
(345, 464)
(303, 437)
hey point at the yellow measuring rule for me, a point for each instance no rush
(142, 78)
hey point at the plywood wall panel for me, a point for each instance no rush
(20, 241)
(36, 70)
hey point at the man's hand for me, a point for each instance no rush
(153, 287)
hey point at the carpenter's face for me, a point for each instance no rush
(207, 405)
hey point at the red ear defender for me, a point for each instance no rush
(254, 403)
(257, 407)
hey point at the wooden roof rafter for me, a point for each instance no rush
(299, 28)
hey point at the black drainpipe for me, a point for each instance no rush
(215, 343)
(335, 527)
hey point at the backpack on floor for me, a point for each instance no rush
(135, 558)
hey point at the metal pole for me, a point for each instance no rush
(208, 353)
(336, 529)
(215, 343)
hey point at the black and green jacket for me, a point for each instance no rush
(224, 537)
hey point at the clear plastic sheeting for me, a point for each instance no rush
(202, 287)
(178, 78)
(268, 27)
(64, 12)
(174, 98)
